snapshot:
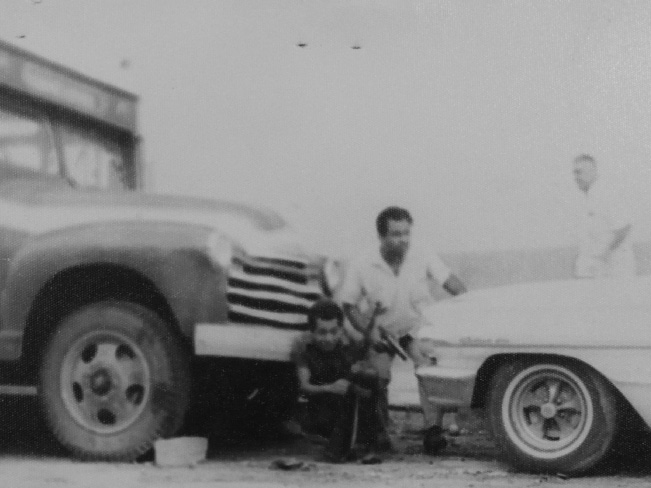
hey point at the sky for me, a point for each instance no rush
(467, 113)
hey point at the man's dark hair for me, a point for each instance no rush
(324, 309)
(391, 213)
(585, 157)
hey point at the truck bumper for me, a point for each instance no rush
(248, 341)
(446, 387)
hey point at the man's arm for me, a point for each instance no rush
(615, 208)
(339, 387)
(355, 317)
(363, 324)
(618, 237)
(299, 348)
(350, 294)
(438, 270)
(454, 286)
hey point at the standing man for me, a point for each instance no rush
(605, 249)
(393, 282)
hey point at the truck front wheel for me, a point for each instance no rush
(114, 378)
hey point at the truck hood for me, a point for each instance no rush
(38, 207)
(586, 313)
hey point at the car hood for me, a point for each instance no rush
(40, 208)
(587, 313)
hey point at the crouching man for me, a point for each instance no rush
(342, 393)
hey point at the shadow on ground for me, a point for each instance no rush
(23, 434)
(23, 431)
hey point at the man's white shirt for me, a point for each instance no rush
(370, 280)
(604, 212)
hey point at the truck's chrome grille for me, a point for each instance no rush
(275, 292)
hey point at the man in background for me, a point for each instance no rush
(605, 249)
(392, 282)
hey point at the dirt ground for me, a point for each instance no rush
(30, 459)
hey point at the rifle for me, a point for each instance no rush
(390, 343)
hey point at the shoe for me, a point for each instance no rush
(352, 456)
(384, 444)
(371, 458)
(290, 429)
(330, 457)
(433, 440)
(317, 439)
(287, 464)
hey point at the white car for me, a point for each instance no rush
(558, 366)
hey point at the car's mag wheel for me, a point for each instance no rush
(552, 415)
(113, 380)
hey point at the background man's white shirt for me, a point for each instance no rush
(370, 280)
(604, 211)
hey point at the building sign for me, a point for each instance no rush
(38, 77)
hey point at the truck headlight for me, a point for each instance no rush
(220, 249)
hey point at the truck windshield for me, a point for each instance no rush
(26, 145)
(28, 149)
(93, 160)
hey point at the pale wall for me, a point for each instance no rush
(466, 112)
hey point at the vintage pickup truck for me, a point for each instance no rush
(109, 297)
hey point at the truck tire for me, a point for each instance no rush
(113, 379)
(552, 415)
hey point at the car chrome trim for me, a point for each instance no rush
(446, 387)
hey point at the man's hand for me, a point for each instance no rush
(379, 310)
(362, 323)
(418, 356)
(618, 237)
(454, 286)
(361, 392)
(371, 332)
(339, 387)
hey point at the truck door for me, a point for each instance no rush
(27, 155)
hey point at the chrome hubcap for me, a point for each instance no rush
(100, 382)
(105, 382)
(547, 411)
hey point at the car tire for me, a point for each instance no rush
(113, 379)
(552, 415)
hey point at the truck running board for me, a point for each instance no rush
(18, 390)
